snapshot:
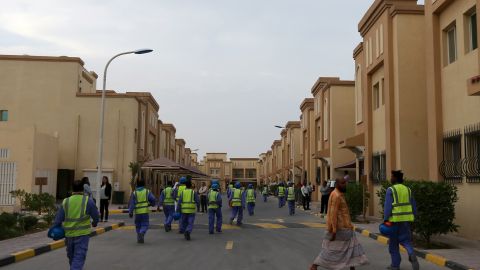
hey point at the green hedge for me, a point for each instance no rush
(355, 196)
(435, 207)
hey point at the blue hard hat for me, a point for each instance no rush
(176, 216)
(183, 180)
(215, 186)
(56, 233)
(386, 229)
(238, 185)
(250, 185)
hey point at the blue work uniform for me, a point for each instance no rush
(281, 197)
(250, 204)
(237, 210)
(265, 193)
(214, 210)
(187, 220)
(142, 221)
(401, 234)
(168, 206)
(290, 195)
(77, 247)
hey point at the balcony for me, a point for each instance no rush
(473, 86)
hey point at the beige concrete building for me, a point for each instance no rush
(57, 96)
(334, 111)
(245, 170)
(217, 166)
(453, 95)
(293, 157)
(168, 145)
(180, 151)
(390, 95)
(307, 120)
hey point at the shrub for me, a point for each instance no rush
(354, 198)
(39, 202)
(49, 217)
(8, 220)
(6, 233)
(28, 222)
(435, 207)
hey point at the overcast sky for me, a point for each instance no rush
(224, 71)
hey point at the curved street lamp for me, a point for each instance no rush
(102, 114)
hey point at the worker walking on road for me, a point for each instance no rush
(251, 197)
(166, 200)
(291, 199)
(265, 193)
(400, 210)
(237, 203)
(75, 214)
(187, 204)
(214, 208)
(281, 195)
(140, 201)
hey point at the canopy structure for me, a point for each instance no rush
(166, 165)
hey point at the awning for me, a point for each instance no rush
(355, 141)
(166, 165)
(349, 165)
(325, 153)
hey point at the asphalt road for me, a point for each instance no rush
(250, 247)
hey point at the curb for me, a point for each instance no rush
(430, 257)
(32, 252)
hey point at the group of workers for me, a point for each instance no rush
(178, 202)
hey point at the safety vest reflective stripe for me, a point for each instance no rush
(180, 189)
(402, 210)
(212, 200)
(188, 202)
(250, 196)
(281, 191)
(167, 195)
(291, 194)
(237, 197)
(141, 205)
(77, 222)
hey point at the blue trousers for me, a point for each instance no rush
(291, 207)
(237, 211)
(77, 248)
(251, 208)
(281, 202)
(400, 236)
(142, 221)
(265, 197)
(211, 219)
(186, 222)
(168, 210)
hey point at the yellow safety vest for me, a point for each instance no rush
(77, 222)
(265, 191)
(281, 191)
(188, 202)
(291, 194)
(212, 199)
(250, 196)
(402, 210)
(237, 197)
(180, 189)
(141, 205)
(167, 196)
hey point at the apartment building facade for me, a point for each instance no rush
(453, 92)
(307, 124)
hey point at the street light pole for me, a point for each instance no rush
(102, 117)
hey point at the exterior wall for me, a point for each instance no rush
(34, 155)
(245, 165)
(449, 105)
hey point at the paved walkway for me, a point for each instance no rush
(465, 251)
(13, 245)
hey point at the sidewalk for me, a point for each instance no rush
(17, 244)
(464, 251)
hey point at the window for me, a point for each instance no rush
(472, 154)
(358, 95)
(377, 43)
(3, 115)
(4, 153)
(215, 172)
(472, 27)
(381, 38)
(451, 45)
(451, 166)
(370, 51)
(366, 53)
(326, 118)
(238, 173)
(135, 136)
(251, 173)
(383, 91)
(376, 96)
(379, 167)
